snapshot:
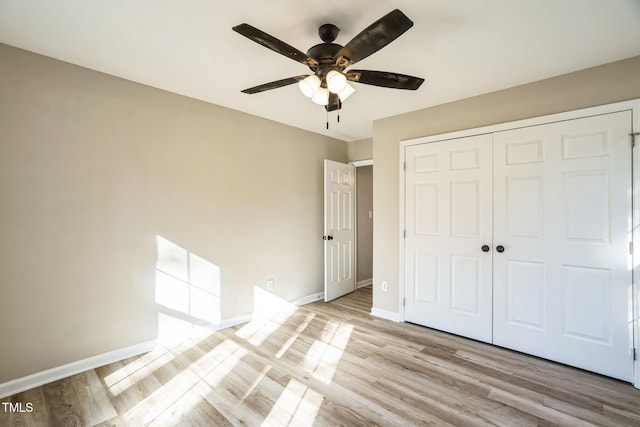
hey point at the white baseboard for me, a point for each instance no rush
(363, 283)
(308, 299)
(386, 314)
(44, 377)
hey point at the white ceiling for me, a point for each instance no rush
(462, 47)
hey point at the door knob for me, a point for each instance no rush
(500, 248)
(327, 237)
(485, 248)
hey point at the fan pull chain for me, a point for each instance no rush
(327, 119)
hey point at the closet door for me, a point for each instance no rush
(448, 220)
(562, 212)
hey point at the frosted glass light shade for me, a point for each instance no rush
(336, 81)
(321, 97)
(346, 92)
(309, 85)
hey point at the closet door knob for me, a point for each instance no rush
(500, 248)
(485, 248)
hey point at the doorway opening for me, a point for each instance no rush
(364, 223)
(348, 227)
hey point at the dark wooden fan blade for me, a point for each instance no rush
(274, 85)
(385, 79)
(274, 44)
(373, 38)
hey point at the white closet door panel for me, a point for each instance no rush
(562, 212)
(448, 219)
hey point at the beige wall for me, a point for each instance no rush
(93, 168)
(364, 179)
(361, 149)
(605, 84)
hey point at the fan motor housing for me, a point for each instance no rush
(324, 52)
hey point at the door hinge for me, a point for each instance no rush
(404, 303)
(404, 166)
(635, 355)
(630, 248)
(404, 234)
(633, 138)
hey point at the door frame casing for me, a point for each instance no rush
(634, 261)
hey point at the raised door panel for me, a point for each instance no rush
(426, 208)
(586, 206)
(524, 207)
(425, 278)
(465, 208)
(465, 284)
(525, 302)
(586, 304)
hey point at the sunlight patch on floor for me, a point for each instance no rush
(296, 335)
(257, 331)
(140, 367)
(129, 375)
(215, 357)
(161, 399)
(297, 405)
(206, 372)
(235, 353)
(257, 381)
(188, 374)
(133, 377)
(323, 357)
(183, 408)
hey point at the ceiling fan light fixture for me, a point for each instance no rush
(321, 97)
(346, 92)
(328, 84)
(336, 81)
(309, 85)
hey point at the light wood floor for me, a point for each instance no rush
(330, 364)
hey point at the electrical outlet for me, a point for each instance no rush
(385, 286)
(270, 284)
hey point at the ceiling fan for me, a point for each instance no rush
(328, 61)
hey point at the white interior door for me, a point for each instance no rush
(448, 221)
(339, 229)
(562, 209)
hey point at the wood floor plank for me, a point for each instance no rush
(64, 406)
(328, 364)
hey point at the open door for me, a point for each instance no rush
(339, 229)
